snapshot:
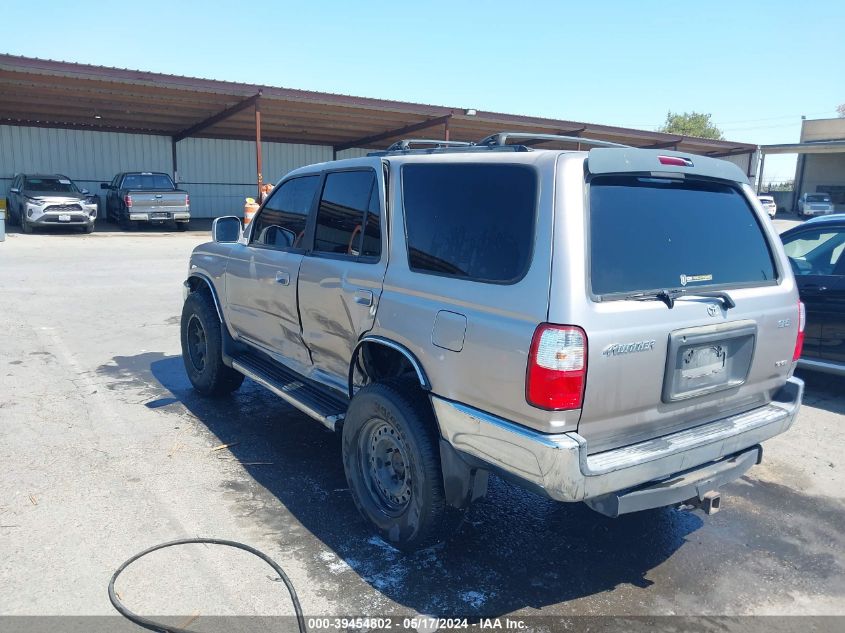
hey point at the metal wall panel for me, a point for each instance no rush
(86, 157)
(217, 173)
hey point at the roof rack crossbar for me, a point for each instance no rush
(405, 144)
(502, 138)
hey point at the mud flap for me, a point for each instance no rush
(462, 483)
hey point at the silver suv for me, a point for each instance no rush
(618, 326)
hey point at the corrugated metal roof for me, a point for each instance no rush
(50, 93)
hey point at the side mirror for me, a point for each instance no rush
(104, 185)
(226, 229)
(14, 190)
(85, 192)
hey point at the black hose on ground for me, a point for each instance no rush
(152, 625)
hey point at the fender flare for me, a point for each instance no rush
(386, 342)
(212, 290)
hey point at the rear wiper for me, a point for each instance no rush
(668, 296)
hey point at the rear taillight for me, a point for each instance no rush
(557, 367)
(799, 340)
(187, 200)
(127, 200)
(677, 161)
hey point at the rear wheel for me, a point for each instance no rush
(202, 348)
(10, 217)
(181, 226)
(392, 462)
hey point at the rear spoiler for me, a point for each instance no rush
(602, 160)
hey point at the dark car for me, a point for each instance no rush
(815, 250)
(39, 200)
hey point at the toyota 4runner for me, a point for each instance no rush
(618, 326)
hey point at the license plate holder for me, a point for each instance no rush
(708, 359)
(64, 217)
(159, 215)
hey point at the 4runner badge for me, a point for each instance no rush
(627, 348)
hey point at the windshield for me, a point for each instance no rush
(50, 185)
(652, 233)
(147, 181)
(818, 198)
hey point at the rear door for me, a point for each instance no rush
(340, 279)
(659, 365)
(262, 272)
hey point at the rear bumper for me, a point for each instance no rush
(560, 466)
(162, 216)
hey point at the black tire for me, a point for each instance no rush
(88, 228)
(10, 217)
(410, 510)
(26, 227)
(181, 226)
(125, 223)
(204, 363)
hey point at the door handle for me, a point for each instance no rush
(283, 278)
(363, 297)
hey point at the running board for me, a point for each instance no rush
(318, 403)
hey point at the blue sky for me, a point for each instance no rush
(757, 67)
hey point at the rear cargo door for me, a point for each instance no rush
(687, 320)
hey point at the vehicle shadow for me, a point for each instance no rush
(823, 391)
(513, 550)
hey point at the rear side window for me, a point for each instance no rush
(281, 222)
(653, 234)
(473, 221)
(348, 198)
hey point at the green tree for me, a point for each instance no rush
(691, 124)
(841, 110)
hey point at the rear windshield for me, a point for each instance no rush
(59, 185)
(818, 198)
(653, 234)
(147, 181)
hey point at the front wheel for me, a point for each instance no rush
(202, 348)
(26, 227)
(392, 462)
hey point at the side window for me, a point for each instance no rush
(347, 198)
(815, 252)
(473, 221)
(281, 223)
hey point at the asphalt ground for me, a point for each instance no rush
(105, 450)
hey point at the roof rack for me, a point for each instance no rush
(405, 144)
(501, 139)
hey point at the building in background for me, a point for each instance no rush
(821, 162)
(222, 140)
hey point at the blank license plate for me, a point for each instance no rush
(700, 362)
(64, 218)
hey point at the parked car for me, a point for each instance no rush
(769, 204)
(545, 315)
(810, 204)
(146, 197)
(39, 200)
(815, 250)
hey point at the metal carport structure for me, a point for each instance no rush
(55, 94)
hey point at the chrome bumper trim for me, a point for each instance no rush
(560, 465)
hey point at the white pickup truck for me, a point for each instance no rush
(149, 197)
